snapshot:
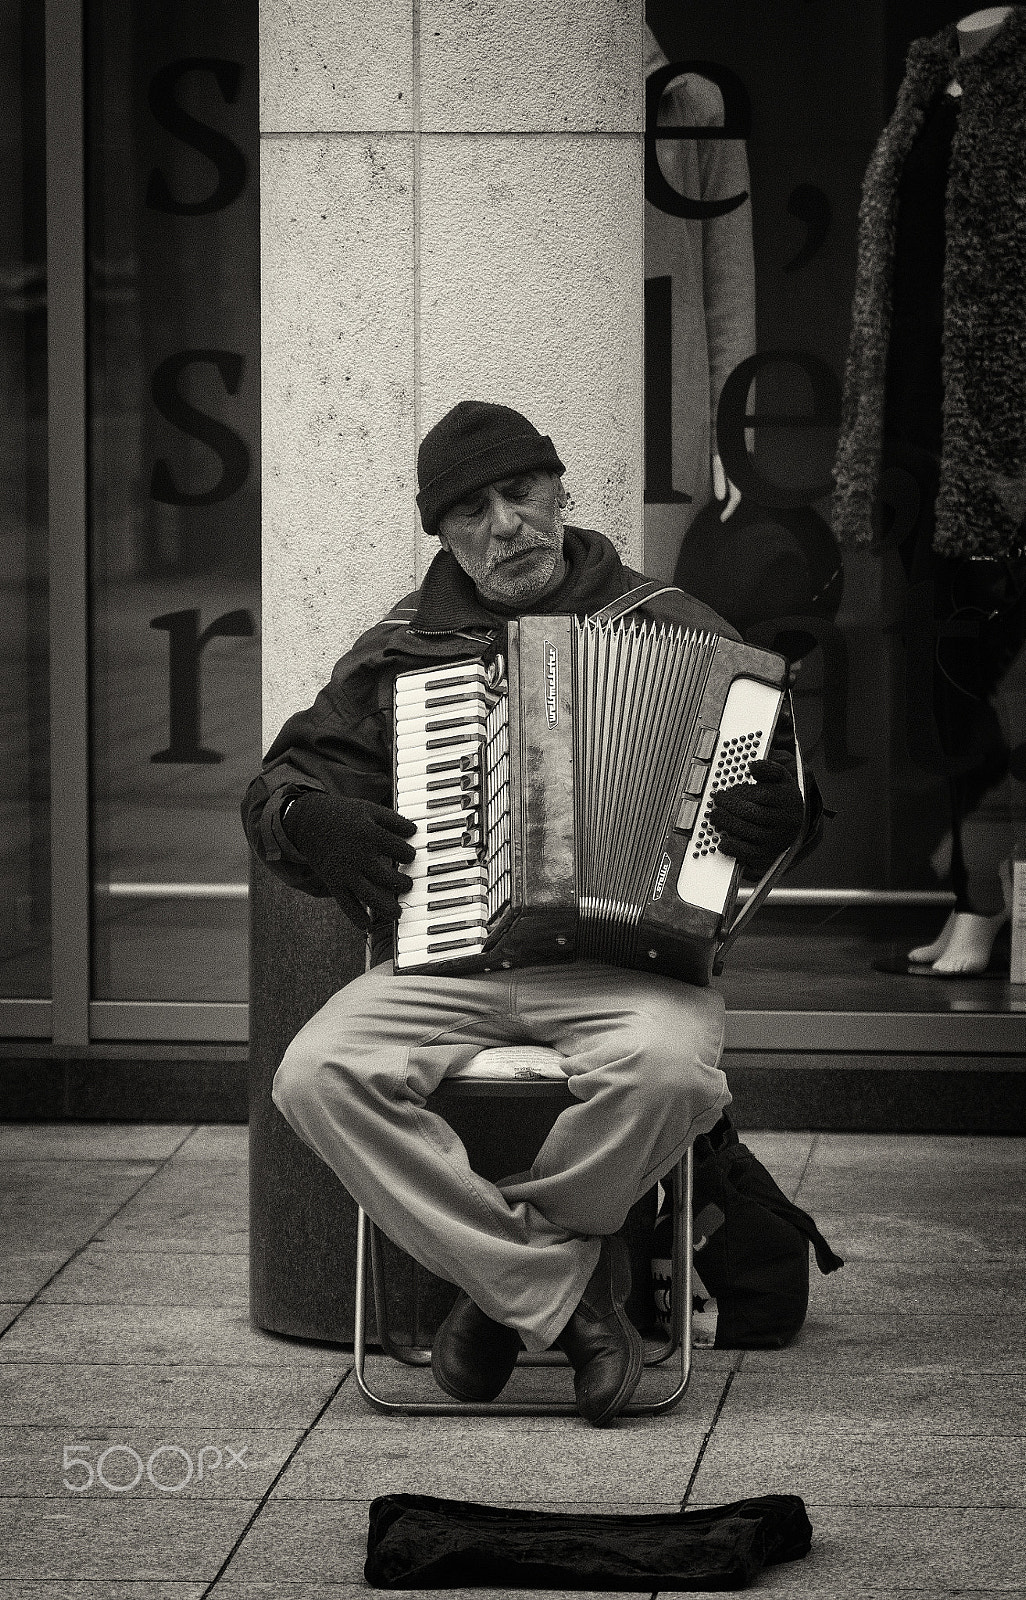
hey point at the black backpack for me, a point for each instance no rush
(754, 1260)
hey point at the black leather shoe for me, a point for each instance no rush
(602, 1342)
(472, 1357)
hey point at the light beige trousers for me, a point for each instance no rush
(641, 1056)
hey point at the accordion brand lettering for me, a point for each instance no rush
(551, 684)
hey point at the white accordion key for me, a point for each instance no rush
(746, 730)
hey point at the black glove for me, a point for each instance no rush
(351, 845)
(758, 821)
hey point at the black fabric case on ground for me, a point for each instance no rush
(420, 1542)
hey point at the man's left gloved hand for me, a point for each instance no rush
(758, 821)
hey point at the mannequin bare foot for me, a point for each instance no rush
(924, 954)
(972, 939)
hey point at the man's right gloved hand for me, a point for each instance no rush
(352, 845)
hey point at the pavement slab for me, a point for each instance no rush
(887, 1342)
(215, 1142)
(879, 1469)
(92, 1141)
(90, 1465)
(920, 1403)
(490, 1461)
(23, 1273)
(189, 1206)
(46, 1207)
(103, 1274)
(118, 1541)
(171, 1398)
(190, 1335)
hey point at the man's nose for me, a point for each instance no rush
(502, 517)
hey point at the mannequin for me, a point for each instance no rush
(925, 394)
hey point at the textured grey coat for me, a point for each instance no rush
(981, 502)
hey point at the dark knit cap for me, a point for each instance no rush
(474, 444)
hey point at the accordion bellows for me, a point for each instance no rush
(561, 789)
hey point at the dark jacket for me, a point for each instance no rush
(343, 742)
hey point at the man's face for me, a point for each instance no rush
(508, 537)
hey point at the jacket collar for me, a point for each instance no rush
(448, 601)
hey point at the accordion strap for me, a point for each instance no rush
(779, 867)
(633, 599)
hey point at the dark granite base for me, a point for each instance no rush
(123, 1083)
(877, 1093)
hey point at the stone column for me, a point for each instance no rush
(451, 208)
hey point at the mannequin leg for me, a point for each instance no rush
(926, 954)
(970, 942)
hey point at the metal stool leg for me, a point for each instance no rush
(368, 1259)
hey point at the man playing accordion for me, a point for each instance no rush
(539, 1257)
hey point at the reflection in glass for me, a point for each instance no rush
(174, 512)
(24, 665)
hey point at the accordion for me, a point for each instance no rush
(561, 786)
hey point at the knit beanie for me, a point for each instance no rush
(474, 444)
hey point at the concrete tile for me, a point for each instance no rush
(337, 252)
(889, 1342)
(508, 67)
(194, 1206)
(102, 1275)
(305, 1543)
(398, 1383)
(213, 1464)
(24, 1272)
(97, 1589)
(327, 67)
(118, 1540)
(216, 1141)
(929, 1551)
(902, 1152)
(181, 1398)
(38, 1213)
(986, 1233)
(498, 266)
(920, 1403)
(8, 1313)
(185, 1335)
(492, 1461)
(947, 1176)
(879, 1470)
(924, 1289)
(90, 1141)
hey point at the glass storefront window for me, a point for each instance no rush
(173, 352)
(750, 268)
(24, 679)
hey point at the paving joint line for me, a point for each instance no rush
(229, 1558)
(159, 1168)
(731, 1375)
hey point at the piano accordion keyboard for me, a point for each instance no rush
(452, 780)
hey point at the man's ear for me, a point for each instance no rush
(443, 541)
(561, 494)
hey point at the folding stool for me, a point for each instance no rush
(469, 1083)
